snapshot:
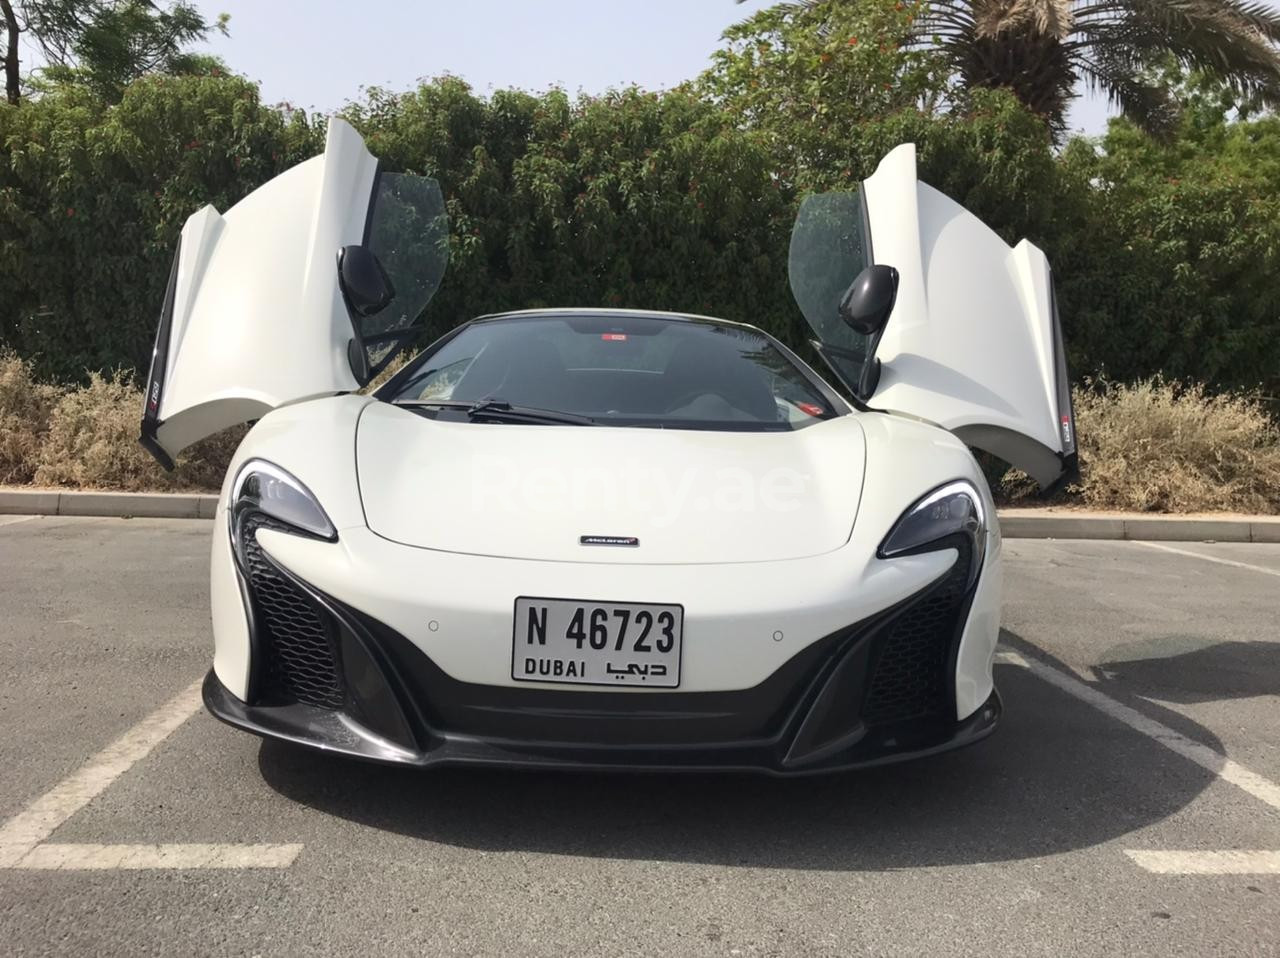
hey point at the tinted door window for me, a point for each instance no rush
(830, 246)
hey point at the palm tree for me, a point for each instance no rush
(1042, 50)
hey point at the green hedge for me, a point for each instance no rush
(1163, 252)
(1167, 254)
(92, 198)
(632, 199)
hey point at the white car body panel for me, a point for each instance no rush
(732, 610)
(289, 435)
(231, 642)
(531, 492)
(258, 317)
(285, 435)
(977, 652)
(970, 343)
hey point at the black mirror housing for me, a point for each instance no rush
(366, 288)
(869, 300)
(367, 291)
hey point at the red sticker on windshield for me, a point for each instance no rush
(810, 408)
(614, 337)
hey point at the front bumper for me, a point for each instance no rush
(875, 691)
(332, 732)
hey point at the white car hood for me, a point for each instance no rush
(533, 492)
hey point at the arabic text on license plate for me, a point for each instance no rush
(597, 643)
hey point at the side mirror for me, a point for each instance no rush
(867, 303)
(366, 289)
(865, 307)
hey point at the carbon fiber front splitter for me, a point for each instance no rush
(335, 732)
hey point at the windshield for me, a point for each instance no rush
(620, 370)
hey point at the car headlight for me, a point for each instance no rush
(936, 520)
(263, 487)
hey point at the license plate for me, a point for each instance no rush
(597, 643)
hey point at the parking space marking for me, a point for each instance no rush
(1224, 768)
(1197, 555)
(1208, 863)
(68, 857)
(11, 520)
(20, 835)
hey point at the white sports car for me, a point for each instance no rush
(597, 538)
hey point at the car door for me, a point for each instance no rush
(973, 342)
(254, 315)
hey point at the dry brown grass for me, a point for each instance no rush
(1157, 446)
(25, 406)
(92, 441)
(87, 436)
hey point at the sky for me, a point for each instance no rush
(317, 54)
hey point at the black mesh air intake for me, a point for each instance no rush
(295, 636)
(909, 680)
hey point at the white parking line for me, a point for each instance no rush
(68, 857)
(1172, 862)
(20, 834)
(1197, 555)
(1224, 768)
(11, 520)
(1208, 863)
(1010, 657)
(22, 837)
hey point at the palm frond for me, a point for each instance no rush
(1121, 80)
(1047, 17)
(1232, 40)
(1041, 49)
(945, 20)
(1180, 17)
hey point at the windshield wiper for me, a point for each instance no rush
(499, 410)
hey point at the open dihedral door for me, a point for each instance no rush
(973, 342)
(254, 316)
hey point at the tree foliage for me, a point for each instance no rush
(1162, 249)
(809, 77)
(831, 87)
(103, 44)
(1041, 50)
(92, 197)
(631, 199)
(627, 199)
(1166, 250)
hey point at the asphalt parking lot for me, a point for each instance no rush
(1128, 805)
